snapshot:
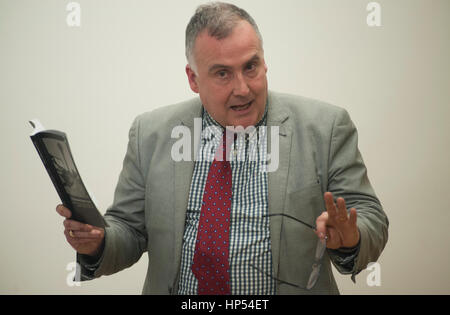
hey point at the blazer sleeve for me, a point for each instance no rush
(347, 178)
(126, 237)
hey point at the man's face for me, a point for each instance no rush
(231, 76)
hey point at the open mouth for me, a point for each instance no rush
(239, 108)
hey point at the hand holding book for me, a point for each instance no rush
(84, 238)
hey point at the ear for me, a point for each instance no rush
(192, 78)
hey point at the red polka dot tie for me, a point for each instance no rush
(210, 264)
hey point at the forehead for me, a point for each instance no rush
(237, 48)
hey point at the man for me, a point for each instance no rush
(271, 233)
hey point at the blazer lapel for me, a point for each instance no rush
(277, 180)
(182, 181)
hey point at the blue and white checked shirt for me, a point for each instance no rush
(249, 229)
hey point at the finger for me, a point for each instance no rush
(353, 217)
(63, 211)
(77, 226)
(334, 240)
(70, 239)
(321, 225)
(329, 203)
(76, 242)
(94, 234)
(342, 215)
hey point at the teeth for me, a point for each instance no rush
(241, 107)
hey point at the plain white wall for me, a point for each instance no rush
(128, 57)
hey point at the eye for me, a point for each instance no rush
(222, 74)
(250, 67)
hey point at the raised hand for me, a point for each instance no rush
(338, 225)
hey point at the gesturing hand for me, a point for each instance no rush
(339, 227)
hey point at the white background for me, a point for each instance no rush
(128, 57)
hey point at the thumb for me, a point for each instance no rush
(63, 211)
(321, 225)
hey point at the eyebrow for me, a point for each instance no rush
(213, 68)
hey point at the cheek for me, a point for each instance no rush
(258, 84)
(261, 83)
(216, 96)
(215, 100)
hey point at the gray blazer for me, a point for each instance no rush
(318, 146)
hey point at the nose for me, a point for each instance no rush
(240, 86)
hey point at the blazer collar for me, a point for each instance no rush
(191, 110)
(277, 113)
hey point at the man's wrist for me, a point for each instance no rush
(94, 257)
(353, 249)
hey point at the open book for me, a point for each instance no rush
(53, 148)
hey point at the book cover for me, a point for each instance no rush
(53, 148)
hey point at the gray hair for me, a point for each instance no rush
(219, 19)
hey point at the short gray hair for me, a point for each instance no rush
(219, 19)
